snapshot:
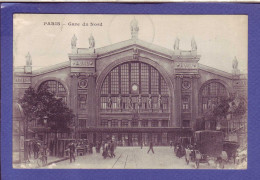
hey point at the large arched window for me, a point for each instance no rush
(57, 88)
(134, 86)
(211, 94)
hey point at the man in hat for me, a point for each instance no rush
(151, 147)
(72, 151)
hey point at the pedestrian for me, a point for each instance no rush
(45, 150)
(109, 149)
(151, 147)
(98, 146)
(105, 150)
(91, 148)
(141, 144)
(112, 149)
(72, 151)
(36, 148)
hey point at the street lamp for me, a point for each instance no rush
(45, 121)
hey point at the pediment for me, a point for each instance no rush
(122, 47)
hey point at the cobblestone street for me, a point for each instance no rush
(132, 158)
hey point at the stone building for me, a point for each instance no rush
(131, 91)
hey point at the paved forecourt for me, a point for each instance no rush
(128, 158)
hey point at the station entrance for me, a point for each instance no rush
(136, 136)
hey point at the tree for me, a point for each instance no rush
(226, 106)
(41, 103)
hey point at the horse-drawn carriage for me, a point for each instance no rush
(208, 145)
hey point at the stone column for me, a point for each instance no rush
(129, 123)
(74, 99)
(149, 123)
(139, 123)
(91, 100)
(195, 101)
(177, 95)
(159, 123)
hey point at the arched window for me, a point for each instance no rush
(211, 95)
(57, 88)
(134, 86)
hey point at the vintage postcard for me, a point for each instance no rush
(130, 91)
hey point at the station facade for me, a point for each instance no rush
(132, 91)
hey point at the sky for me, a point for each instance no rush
(219, 38)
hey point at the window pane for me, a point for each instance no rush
(104, 89)
(145, 78)
(114, 81)
(211, 94)
(61, 88)
(125, 79)
(154, 81)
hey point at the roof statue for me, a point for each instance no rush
(134, 28)
(235, 63)
(176, 44)
(91, 41)
(193, 45)
(235, 70)
(28, 59)
(74, 42)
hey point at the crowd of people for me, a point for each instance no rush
(108, 148)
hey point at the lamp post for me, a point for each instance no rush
(45, 121)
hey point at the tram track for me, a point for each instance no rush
(125, 161)
(117, 159)
(134, 158)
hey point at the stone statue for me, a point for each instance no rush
(91, 41)
(28, 59)
(176, 44)
(134, 28)
(149, 100)
(159, 101)
(130, 103)
(235, 63)
(193, 45)
(109, 102)
(235, 70)
(74, 42)
(139, 101)
(119, 102)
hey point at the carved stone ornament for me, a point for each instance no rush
(176, 44)
(181, 76)
(74, 74)
(193, 44)
(83, 83)
(28, 59)
(134, 28)
(92, 74)
(91, 41)
(135, 53)
(186, 84)
(74, 42)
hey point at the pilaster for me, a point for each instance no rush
(177, 95)
(74, 99)
(91, 100)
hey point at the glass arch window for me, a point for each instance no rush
(211, 95)
(57, 88)
(134, 86)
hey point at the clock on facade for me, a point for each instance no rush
(135, 87)
(186, 85)
(83, 83)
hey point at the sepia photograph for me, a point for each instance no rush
(136, 91)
